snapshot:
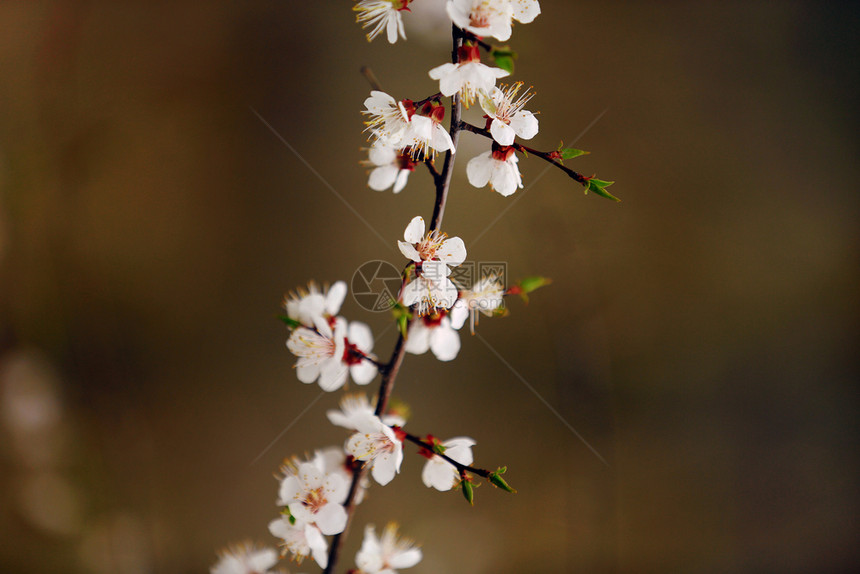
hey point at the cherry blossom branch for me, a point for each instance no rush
(389, 373)
(552, 157)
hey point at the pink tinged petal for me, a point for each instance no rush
(479, 169)
(333, 374)
(445, 343)
(439, 474)
(418, 341)
(525, 124)
(409, 251)
(406, 559)
(334, 298)
(360, 335)
(501, 132)
(526, 10)
(415, 230)
(452, 251)
(331, 519)
(400, 180)
(383, 177)
(363, 372)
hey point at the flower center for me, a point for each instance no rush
(352, 355)
(315, 499)
(428, 246)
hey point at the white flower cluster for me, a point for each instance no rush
(480, 17)
(403, 135)
(316, 494)
(328, 347)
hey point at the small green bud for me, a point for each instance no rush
(468, 491)
(496, 479)
(290, 322)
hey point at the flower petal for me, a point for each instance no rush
(452, 251)
(479, 168)
(331, 519)
(445, 342)
(415, 230)
(501, 132)
(409, 251)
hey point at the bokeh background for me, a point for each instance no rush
(700, 336)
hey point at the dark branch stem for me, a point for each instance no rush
(389, 374)
(544, 155)
(389, 370)
(483, 473)
(444, 181)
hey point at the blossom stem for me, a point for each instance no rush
(544, 155)
(443, 183)
(371, 78)
(461, 468)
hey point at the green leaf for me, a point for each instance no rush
(530, 284)
(497, 480)
(599, 186)
(402, 315)
(570, 153)
(468, 491)
(504, 58)
(291, 323)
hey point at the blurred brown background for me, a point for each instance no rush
(700, 335)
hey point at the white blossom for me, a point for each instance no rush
(315, 497)
(329, 354)
(485, 297)
(498, 168)
(434, 253)
(387, 554)
(434, 333)
(245, 559)
(388, 118)
(390, 168)
(426, 135)
(377, 445)
(310, 306)
(300, 539)
(483, 17)
(469, 76)
(441, 474)
(355, 408)
(506, 115)
(382, 14)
